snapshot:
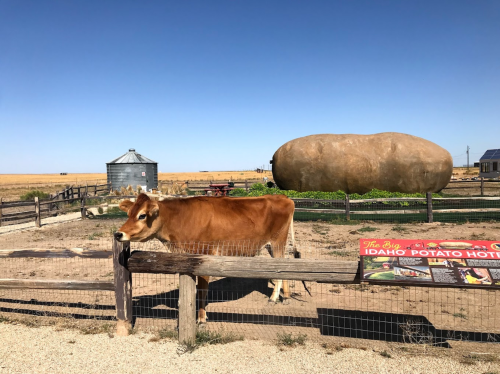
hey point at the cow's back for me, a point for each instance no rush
(244, 221)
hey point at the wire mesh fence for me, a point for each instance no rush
(400, 210)
(67, 303)
(390, 313)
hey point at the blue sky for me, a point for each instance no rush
(221, 85)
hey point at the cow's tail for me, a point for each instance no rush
(296, 253)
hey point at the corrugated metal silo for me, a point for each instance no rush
(132, 169)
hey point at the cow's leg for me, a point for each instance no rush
(278, 251)
(276, 292)
(202, 298)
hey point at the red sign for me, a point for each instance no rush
(459, 263)
(437, 248)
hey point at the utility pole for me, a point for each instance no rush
(468, 158)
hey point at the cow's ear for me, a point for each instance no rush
(125, 205)
(154, 209)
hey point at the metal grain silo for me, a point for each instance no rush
(132, 169)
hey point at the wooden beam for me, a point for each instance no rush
(54, 253)
(123, 287)
(187, 309)
(430, 218)
(38, 219)
(244, 267)
(17, 204)
(347, 208)
(56, 284)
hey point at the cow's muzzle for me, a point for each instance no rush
(118, 236)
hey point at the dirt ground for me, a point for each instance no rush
(419, 314)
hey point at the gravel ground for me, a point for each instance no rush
(46, 350)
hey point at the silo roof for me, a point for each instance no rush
(132, 157)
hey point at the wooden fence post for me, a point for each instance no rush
(187, 308)
(347, 208)
(482, 186)
(123, 287)
(1, 202)
(246, 185)
(430, 218)
(83, 209)
(37, 212)
(95, 190)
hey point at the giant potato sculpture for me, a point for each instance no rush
(359, 163)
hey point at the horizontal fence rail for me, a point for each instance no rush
(335, 273)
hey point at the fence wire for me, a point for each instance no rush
(450, 210)
(390, 313)
(74, 304)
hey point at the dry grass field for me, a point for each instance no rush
(91, 178)
(14, 185)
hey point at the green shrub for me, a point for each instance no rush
(36, 193)
(238, 192)
(259, 189)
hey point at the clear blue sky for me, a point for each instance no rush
(221, 85)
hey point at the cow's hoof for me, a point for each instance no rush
(201, 324)
(271, 302)
(286, 301)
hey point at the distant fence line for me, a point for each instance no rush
(428, 209)
(41, 208)
(52, 183)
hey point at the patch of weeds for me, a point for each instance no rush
(367, 229)
(168, 334)
(320, 230)
(95, 235)
(288, 340)
(213, 337)
(4, 319)
(481, 236)
(340, 221)
(339, 253)
(459, 315)
(335, 290)
(358, 287)
(399, 228)
(72, 342)
(97, 328)
(472, 359)
(385, 354)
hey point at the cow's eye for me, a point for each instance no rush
(142, 216)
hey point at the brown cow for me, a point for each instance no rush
(223, 226)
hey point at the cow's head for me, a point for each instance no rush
(142, 223)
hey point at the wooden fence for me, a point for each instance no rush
(373, 207)
(479, 185)
(188, 266)
(39, 208)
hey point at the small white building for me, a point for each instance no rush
(489, 164)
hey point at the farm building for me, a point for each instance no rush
(490, 164)
(132, 169)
